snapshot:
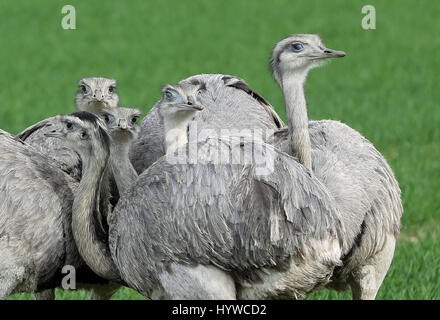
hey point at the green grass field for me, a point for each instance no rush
(387, 87)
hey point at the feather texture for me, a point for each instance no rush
(229, 104)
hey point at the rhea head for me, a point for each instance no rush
(178, 106)
(85, 133)
(180, 100)
(95, 94)
(122, 123)
(298, 53)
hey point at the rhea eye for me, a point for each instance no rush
(83, 88)
(297, 46)
(169, 94)
(107, 118)
(111, 89)
(134, 119)
(69, 125)
(199, 92)
(84, 135)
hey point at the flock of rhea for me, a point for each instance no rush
(99, 192)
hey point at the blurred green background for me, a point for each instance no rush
(387, 87)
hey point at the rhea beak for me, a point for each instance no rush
(98, 96)
(196, 107)
(56, 133)
(191, 106)
(330, 53)
(122, 125)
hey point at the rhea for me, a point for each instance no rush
(195, 230)
(229, 104)
(36, 241)
(354, 172)
(36, 234)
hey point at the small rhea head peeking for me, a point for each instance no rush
(179, 98)
(121, 122)
(96, 93)
(300, 53)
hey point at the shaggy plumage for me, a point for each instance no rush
(275, 234)
(212, 223)
(229, 104)
(94, 95)
(36, 239)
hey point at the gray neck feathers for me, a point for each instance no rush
(123, 171)
(88, 231)
(292, 85)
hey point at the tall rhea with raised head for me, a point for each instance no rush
(355, 173)
(291, 61)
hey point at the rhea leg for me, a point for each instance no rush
(368, 278)
(197, 283)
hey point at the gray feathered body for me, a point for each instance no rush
(35, 220)
(363, 185)
(229, 104)
(62, 155)
(67, 159)
(277, 234)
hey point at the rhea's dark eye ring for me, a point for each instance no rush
(69, 125)
(297, 46)
(134, 119)
(111, 89)
(83, 135)
(83, 88)
(106, 118)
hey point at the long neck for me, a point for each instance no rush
(297, 119)
(123, 171)
(176, 132)
(90, 236)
